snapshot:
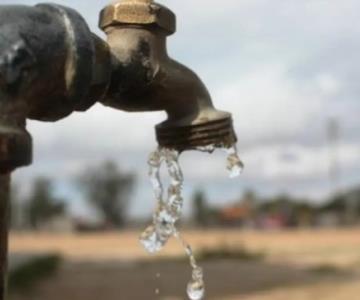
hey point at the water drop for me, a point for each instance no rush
(152, 241)
(208, 148)
(234, 164)
(195, 290)
(176, 205)
(155, 160)
(174, 169)
(196, 287)
(164, 222)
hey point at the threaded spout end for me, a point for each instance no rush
(219, 133)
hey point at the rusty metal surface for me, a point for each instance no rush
(65, 57)
(47, 60)
(138, 12)
(101, 74)
(50, 65)
(4, 223)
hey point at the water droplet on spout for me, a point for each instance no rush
(208, 148)
(196, 287)
(234, 164)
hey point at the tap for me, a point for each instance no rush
(145, 78)
(51, 65)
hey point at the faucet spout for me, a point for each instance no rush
(193, 121)
(145, 78)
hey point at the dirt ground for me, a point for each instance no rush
(112, 266)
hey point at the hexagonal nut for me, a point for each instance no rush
(138, 12)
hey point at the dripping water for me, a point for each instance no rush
(169, 210)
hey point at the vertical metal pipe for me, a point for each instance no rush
(4, 231)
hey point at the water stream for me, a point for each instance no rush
(169, 209)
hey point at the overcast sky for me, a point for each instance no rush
(283, 68)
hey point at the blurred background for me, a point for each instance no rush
(289, 227)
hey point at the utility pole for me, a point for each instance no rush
(333, 135)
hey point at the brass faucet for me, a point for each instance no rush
(145, 78)
(51, 65)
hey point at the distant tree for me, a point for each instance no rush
(305, 213)
(277, 204)
(42, 206)
(108, 190)
(200, 208)
(297, 212)
(250, 198)
(345, 205)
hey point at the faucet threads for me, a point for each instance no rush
(219, 133)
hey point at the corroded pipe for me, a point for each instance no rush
(145, 78)
(50, 65)
(50, 60)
